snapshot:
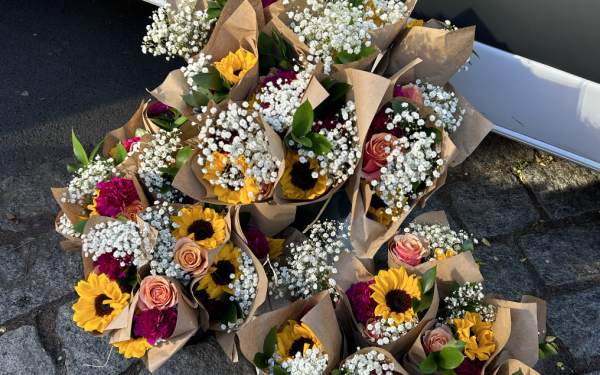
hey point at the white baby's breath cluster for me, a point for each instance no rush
(160, 153)
(444, 104)
(197, 64)
(441, 238)
(383, 331)
(412, 160)
(314, 361)
(237, 132)
(244, 287)
(470, 295)
(82, 186)
(177, 32)
(283, 99)
(66, 227)
(116, 237)
(371, 363)
(311, 262)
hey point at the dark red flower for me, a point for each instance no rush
(159, 109)
(155, 324)
(380, 122)
(257, 242)
(363, 306)
(468, 367)
(111, 266)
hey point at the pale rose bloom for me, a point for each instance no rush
(157, 292)
(132, 211)
(190, 256)
(413, 92)
(410, 248)
(375, 156)
(435, 339)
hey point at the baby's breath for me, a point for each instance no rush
(66, 227)
(244, 288)
(371, 363)
(441, 238)
(314, 361)
(470, 296)
(82, 186)
(120, 239)
(383, 331)
(444, 104)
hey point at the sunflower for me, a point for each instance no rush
(235, 65)
(134, 347)
(203, 225)
(217, 279)
(247, 194)
(439, 254)
(275, 246)
(296, 338)
(298, 182)
(100, 301)
(394, 291)
(480, 344)
(92, 207)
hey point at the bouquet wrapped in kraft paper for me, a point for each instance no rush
(370, 358)
(310, 322)
(405, 160)
(455, 263)
(513, 366)
(387, 310)
(343, 118)
(228, 304)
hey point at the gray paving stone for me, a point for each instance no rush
(434, 203)
(572, 253)
(575, 320)
(22, 353)
(82, 348)
(206, 357)
(565, 189)
(506, 277)
(492, 203)
(47, 273)
(497, 151)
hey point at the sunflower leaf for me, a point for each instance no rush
(269, 344)
(78, 149)
(429, 364)
(80, 226)
(120, 154)
(225, 297)
(428, 279)
(303, 120)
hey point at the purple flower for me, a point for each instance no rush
(159, 109)
(130, 142)
(398, 92)
(111, 266)
(115, 196)
(363, 306)
(257, 242)
(214, 307)
(468, 367)
(155, 324)
(266, 3)
(286, 77)
(379, 125)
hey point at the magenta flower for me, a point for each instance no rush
(130, 142)
(286, 77)
(380, 122)
(155, 324)
(363, 306)
(115, 196)
(159, 109)
(468, 367)
(266, 3)
(111, 266)
(257, 242)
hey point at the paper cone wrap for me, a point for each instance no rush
(127, 131)
(511, 366)
(383, 37)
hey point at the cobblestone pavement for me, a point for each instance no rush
(83, 69)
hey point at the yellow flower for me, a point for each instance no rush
(247, 194)
(203, 225)
(440, 255)
(100, 301)
(236, 65)
(477, 334)
(375, 18)
(92, 207)
(297, 181)
(296, 338)
(414, 23)
(394, 291)
(383, 218)
(275, 246)
(218, 277)
(134, 347)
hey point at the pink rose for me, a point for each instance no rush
(157, 292)
(368, 330)
(409, 91)
(410, 248)
(375, 155)
(190, 256)
(435, 339)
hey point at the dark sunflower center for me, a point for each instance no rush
(222, 276)
(202, 230)
(102, 309)
(301, 176)
(398, 301)
(298, 346)
(237, 72)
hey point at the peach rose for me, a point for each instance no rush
(435, 339)
(410, 91)
(157, 292)
(132, 211)
(410, 248)
(190, 256)
(375, 156)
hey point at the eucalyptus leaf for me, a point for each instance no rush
(429, 365)
(78, 149)
(183, 155)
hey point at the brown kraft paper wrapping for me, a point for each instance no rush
(443, 52)
(388, 357)
(501, 330)
(73, 243)
(320, 319)
(511, 366)
(383, 37)
(268, 218)
(352, 271)
(238, 20)
(366, 234)
(127, 131)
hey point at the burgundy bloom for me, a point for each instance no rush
(379, 125)
(214, 307)
(363, 306)
(468, 367)
(159, 109)
(130, 142)
(257, 242)
(111, 266)
(155, 324)
(286, 76)
(326, 123)
(398, 92)
(115, 196)
(266, 3)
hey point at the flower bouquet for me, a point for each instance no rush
(302, 338)
(370, 361)
(387, 310)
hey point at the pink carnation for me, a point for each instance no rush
(115, 196)
(130, 142)
(363, 306)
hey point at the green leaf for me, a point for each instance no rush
(278, 370)
(218, 209)
(200, 98)
(213, 13)
(218, 97)
(304, 141)
(450, 358)
(182, 156)
(520, 372)
(541, 354)
(365, 52)
(444, 371)
(285, 65)
(326, 82)
(264, 43)
(288, 138)
(120, 154)
(180, 121)
(345, 57)
(209, 81)
(214, 5)
(338, 90)
(166, 188)
(416, 185)
(437, 132)
(426, 301)
(244, 219)
(260, 360)
(74, 167)
(416, 303)
(122, 219)
(166, 125)
(171, 171)
(225, 297)
(486, 242)
(455, 286)
(320, 143)
(240, 312)
(456, 344)
(78, 149)
(229, 314)
(140, 132)
(398, 108)
(189, 99)
(548, 349)
(269, 344)
(95, 150)
(222, 3)
(467, 245)
(337, 372)
(476, 54)
(303, 120)
(266, 63)
(79, 226)
(429, 365)
(428, 279)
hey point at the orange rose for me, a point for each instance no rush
(375, 156)
(157, 292)
(131, 211)
(190, 256)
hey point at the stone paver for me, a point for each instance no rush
(493, 203)
(572, 254)
(565, 189)
(81, 348)
(22, 353)
(496, 151)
